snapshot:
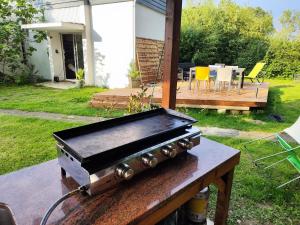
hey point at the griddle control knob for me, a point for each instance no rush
(149, 160)
(185, 143)
(169, 151)
(124, 171)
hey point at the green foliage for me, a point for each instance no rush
(27, 74)
(139, 102)
(254, 50)
(13, 50)
(133, 72)
(79, 74)
(290, 22)
(283, 58)
(224, 33)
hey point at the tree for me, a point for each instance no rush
(13, 50)
(290, 22)
(224, 33)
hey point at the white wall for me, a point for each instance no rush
(52, 65)
(70, 14)
(56, 55)
(149, 23)
(114, 38)
(40, 58)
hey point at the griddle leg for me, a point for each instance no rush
(63, 172)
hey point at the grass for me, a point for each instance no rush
(255, 199)
(35, 98)
(27, 141)
(284, 99)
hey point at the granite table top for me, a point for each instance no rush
(30, 192)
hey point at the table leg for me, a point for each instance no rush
(190, 80)
(223, 199)
(243, 78)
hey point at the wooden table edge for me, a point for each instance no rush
(170, 205)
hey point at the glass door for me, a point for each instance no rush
(73, 54)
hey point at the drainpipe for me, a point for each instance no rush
(89, 56)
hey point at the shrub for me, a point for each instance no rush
(283, 58)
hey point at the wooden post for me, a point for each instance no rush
(171, 55)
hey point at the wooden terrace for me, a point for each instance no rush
(251, 96)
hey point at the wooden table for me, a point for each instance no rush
(146, 199)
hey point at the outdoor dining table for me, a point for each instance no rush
(239, 71)
(146, 199)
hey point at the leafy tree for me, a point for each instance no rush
(290, 22)
(283, 55)
(224, 33)
(13, 49)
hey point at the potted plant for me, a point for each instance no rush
(80, 78)
(134, 76)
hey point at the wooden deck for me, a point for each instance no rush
(245, 99)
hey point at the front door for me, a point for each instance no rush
(73, 54)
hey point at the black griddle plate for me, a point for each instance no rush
(109, 139)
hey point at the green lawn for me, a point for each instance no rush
(35, 98)
(26, 141)
(284, 99)
(255, 199)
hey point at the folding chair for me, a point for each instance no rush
(255, 73)
(292, 157)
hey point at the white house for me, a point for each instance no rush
(101, 36)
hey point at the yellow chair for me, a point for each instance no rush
(255, 72)
(202, 74)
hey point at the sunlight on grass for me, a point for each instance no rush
(284, 99)
(72, 101)
(255, 199)
(27, 141)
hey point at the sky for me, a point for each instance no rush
(276, 7)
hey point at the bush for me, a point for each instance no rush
(27, 75)
(252, 51)
(283, 58)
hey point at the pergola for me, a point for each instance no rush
(171, 55)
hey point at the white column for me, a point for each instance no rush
(50, 56)
(88, 47)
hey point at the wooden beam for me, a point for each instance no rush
(171, 55)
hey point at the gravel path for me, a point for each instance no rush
(212, 131)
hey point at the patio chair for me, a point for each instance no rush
(202, 74)
(224, 75)
(255, 73)
(292, 157)
(234, 73)
(214, 69)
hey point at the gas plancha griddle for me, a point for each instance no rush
(102, 154)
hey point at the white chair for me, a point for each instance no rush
(234, 73)
(224, 75)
